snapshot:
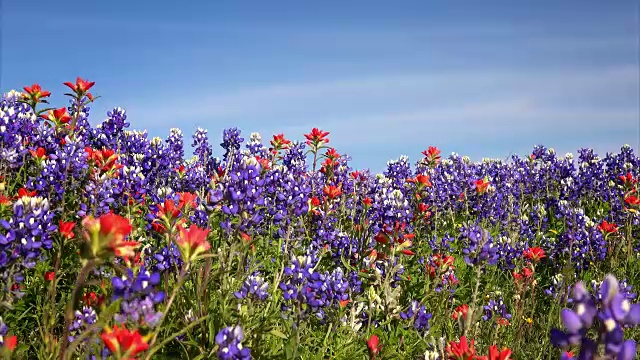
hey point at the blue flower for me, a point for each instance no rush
(229, 340)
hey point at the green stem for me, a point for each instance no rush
(71, 305)
(174, 293)
(156, 348)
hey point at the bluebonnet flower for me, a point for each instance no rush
(509, 252)
(139, 297)
(240, 195)
(496, 307)
(101, 196)
(581, 241)
(390, 205)
(81, 115)
(419, 315)
(398, 171)
(22, 241)
(175, 148)
(625, 289)
(110, 134)
(18, 122)
(302, 283)
(287, 192)
(253, 286)
(82, 321)
(64, 164)
(255, 146)
(165, 259)
(203, 152)
(479, 246)
(442, 246)
(231, 142)
(559, 288)
(229, 340)
(610, 311)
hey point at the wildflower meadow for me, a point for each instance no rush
(115, 245)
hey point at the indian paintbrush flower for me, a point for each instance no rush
(192, 242)
(124, 342)
(58, 116)
(105, 237)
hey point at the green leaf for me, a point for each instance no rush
(276, 332)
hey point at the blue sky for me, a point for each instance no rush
(481, 78)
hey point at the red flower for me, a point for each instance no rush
(461, 350)
(159, 228)
(632, 200)
(481, 185)
(49, 275)
(526, 272)
(115, 224)
(517, 277)
(381, 238)
(168, 210)
(89, 298)
(332, 154)
(422, 181)
(628, 179)
(317, 137)
(187, 200)
(105, 160)
(460, 311)
(432, 155)
(279, 143)
(408, 252)
(57, 116)
(607, 227)
(22, 192)
(35, 92)
(66, 229)
(10, 342)
(192, 242)
(40, 154)
(315, 201)
(373, 346)
(122, 341)
(367, 201)
(331, 160)
(495, 354)
(81, 86)
(332, 192)
(106, 235)
(534, 254)
(4, 200)
(264, 163)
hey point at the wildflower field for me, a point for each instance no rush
(113, 245)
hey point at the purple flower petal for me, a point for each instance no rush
(571, 321)
(633, 318)
(628, 351)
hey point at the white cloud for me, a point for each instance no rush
(478, 113)
(352, 99)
